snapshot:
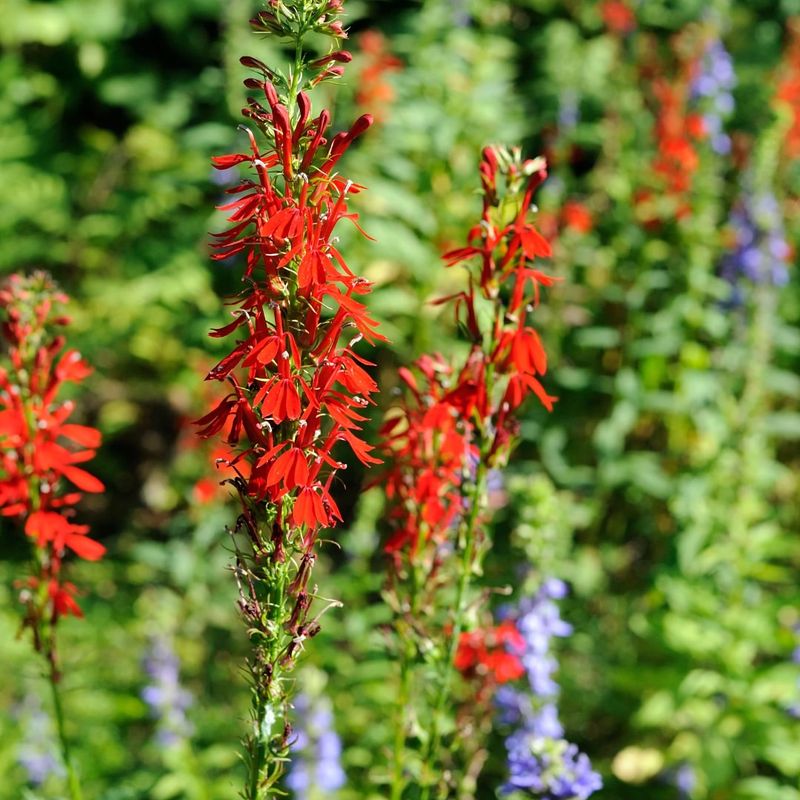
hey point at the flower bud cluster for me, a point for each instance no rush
(292, 19)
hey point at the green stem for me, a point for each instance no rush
(467, 543)
(406, 657)
(398, 780)
(72, 776)
(432, 756)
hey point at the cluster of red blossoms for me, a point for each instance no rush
(296, 389)
(677, 132)
(618, 17)
(458, 422)
(788, 90)
(490, 654)
(40, 480)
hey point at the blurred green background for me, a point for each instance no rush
(663, 488)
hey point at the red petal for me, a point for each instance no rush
(533, 243)
(82, 479)
(85, 547)
(82, 434)
(225, 162)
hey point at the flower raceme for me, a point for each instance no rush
(298, 387)
(456, 425)
(298, 390)
(787, 92)
(712, 90)
(374, 90)
(457, 417)
(690, 109)
(40, 450)
(301, 391)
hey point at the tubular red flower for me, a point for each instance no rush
(491, 654)
(287, 234)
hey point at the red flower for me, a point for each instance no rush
(62, 597)
(314, 508)
(617, 16)
(452, 418)
(491, 654)
(577, 217)
(50, 527)
(39, 448)
(205, 490)
(676, 132)
(788, 88)
(374, 91)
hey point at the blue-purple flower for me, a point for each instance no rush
(167, 699)
(316, 767)
(685, 780)
(541, 762)
(711, 90)
(548, 768)
(38, 752)
(761, 252)
(569, 114)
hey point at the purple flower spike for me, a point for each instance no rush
(541, 763)
(317, 749)
(761, 252)
(37, 753)
(711, 91)
(167, 699)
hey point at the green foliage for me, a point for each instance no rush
(663, 488)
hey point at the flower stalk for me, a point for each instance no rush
(297, 385)
(40, 484)
(455, 426)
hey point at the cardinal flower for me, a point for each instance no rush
(42, 462)
(298, 383)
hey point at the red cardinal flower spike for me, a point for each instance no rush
(457, 424)
(297, 387)
(42, 461)
(455, 418)
(42, 454)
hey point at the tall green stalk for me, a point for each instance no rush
(72, 776)
(432, 755)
